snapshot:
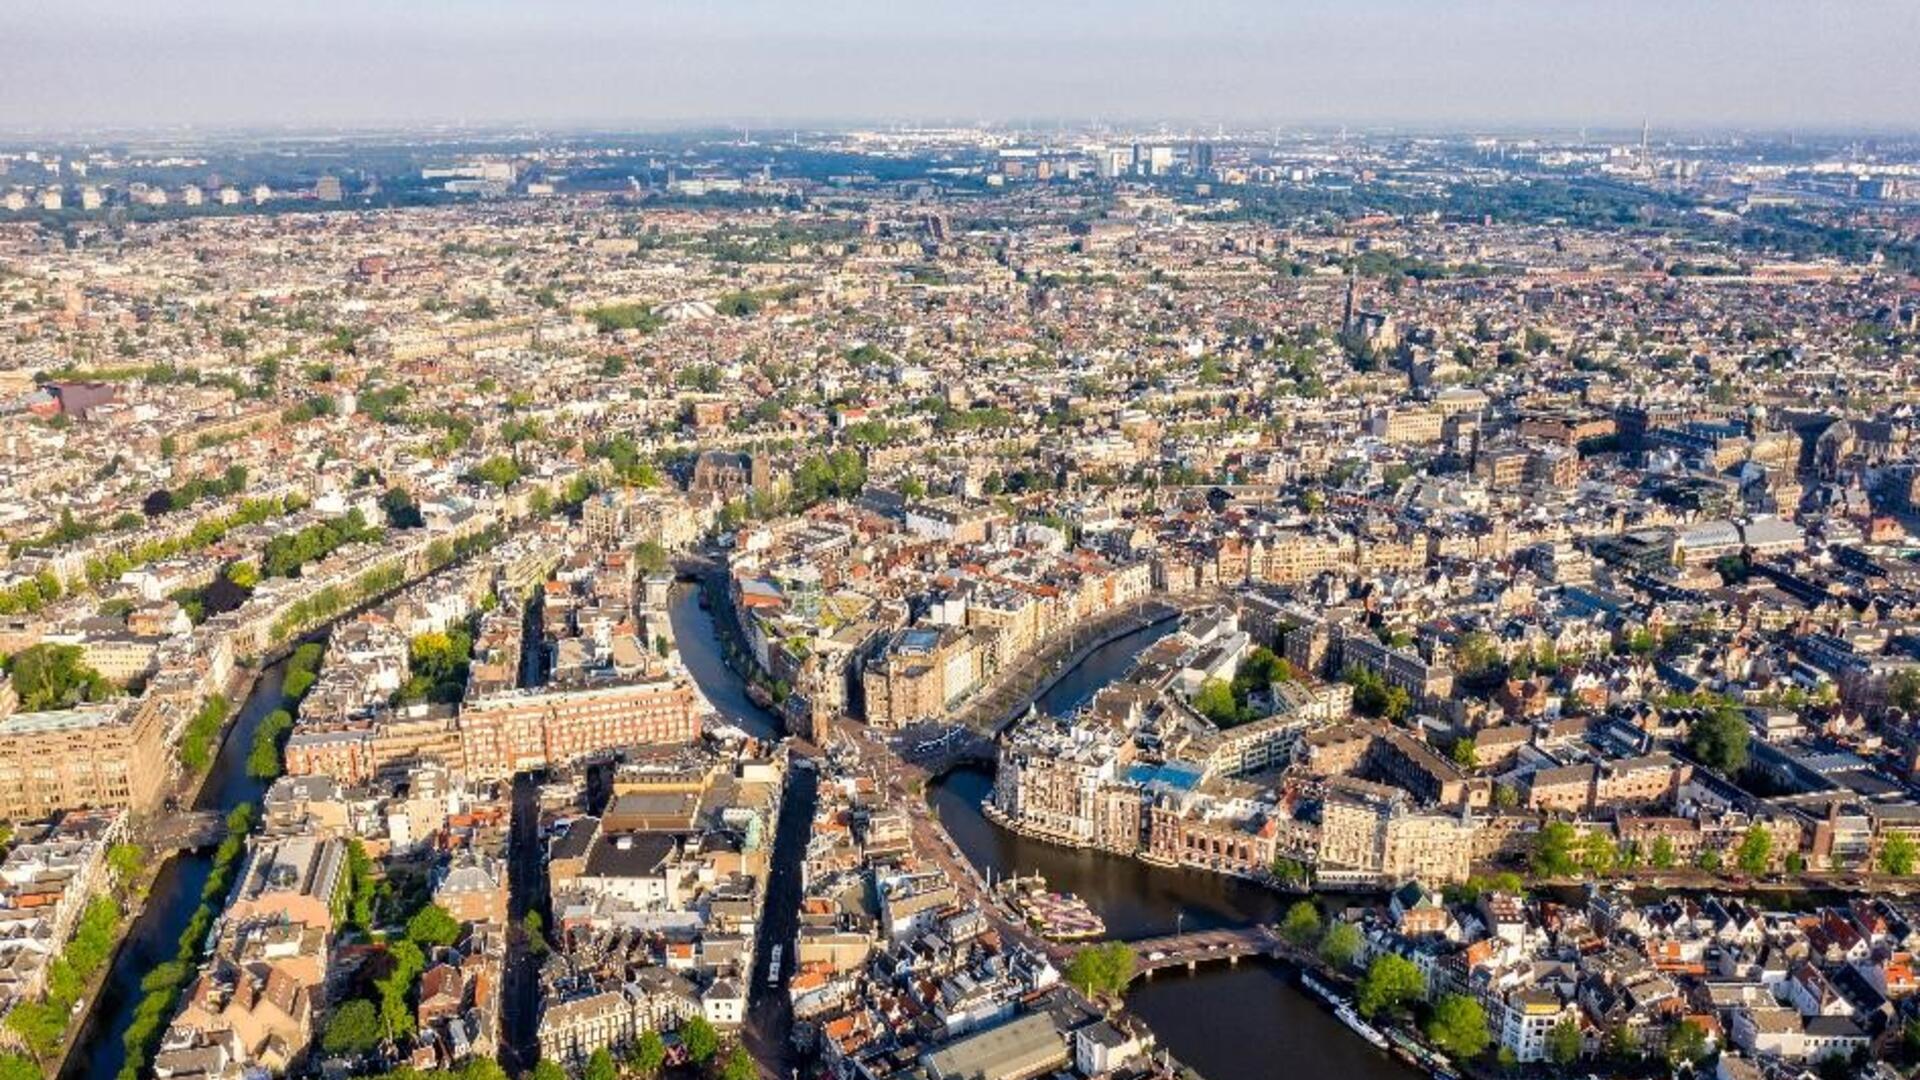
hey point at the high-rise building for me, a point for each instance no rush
(328, 189)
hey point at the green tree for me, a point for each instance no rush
(1289, 871)
(359, 886)
(40, 1026)
(1459, 1026)
(1465, 753)
(1897, 854)
(1302, 924)
(47, 676)
(1755, 853)
(1215, 702)
(1391, 982)
(738, 1065)
(432, 926)
(649, 557)
(499, 471)
(1476, 653)
(1903, 689)
(1663, 856)
(1563, 1043)
(352, 1030)
(1622, 1045)
(649, 1053)
(1341, 945)
(547, 1069)
(1598, 853)
(700, 1040)
(127, 862)
(400, 510)
(1554, 850)
(477, 1067)
(1101, 969)
(1686, 1043)
(1720, 738)
(600, 1066)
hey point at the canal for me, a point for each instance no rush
(155, 935)
(698, 641)
(1271, 1027)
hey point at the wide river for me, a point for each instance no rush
(1249, 1022)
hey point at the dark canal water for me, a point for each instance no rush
(1230, 1023)
(175, 896)
(698, 640)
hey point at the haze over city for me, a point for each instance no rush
(1474, 63)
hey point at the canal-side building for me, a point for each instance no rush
(1372, 834)
(514, 731)
(112, 755)
(921, 672)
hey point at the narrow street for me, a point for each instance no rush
(768, 1033)
(526, 891)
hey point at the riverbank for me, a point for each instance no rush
(1059, 659)
(1258, 999)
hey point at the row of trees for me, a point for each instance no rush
(1393, 986)
(197, 744)
(287, 553)
(167, 500)
(161, 988)
(42, 1025)
(1562, 851)
(104, 568)
(29, 596)
(647, 1056)
(264, 761)
(332, 600)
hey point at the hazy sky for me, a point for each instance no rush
(1753, 63)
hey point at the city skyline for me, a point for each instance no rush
(1380, 63)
